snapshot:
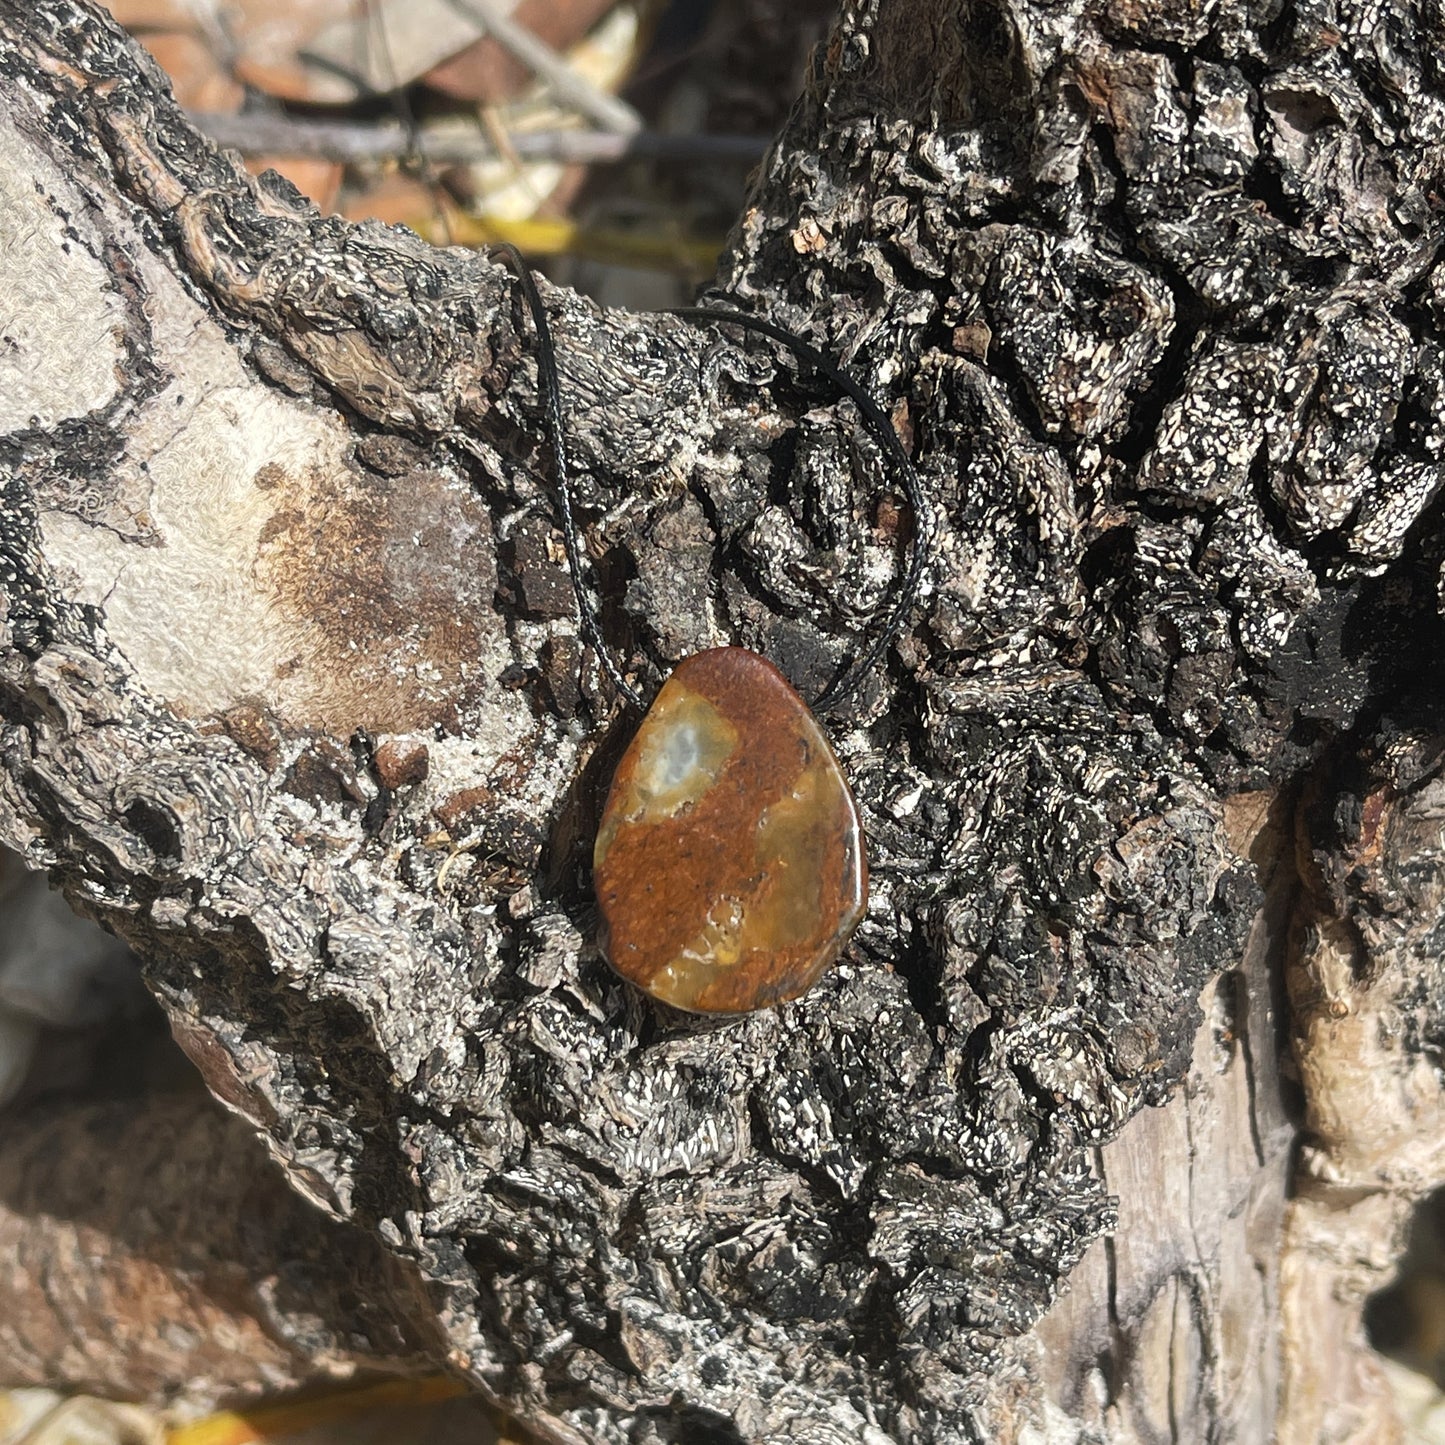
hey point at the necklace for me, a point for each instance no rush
(729, 865)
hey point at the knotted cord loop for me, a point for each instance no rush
(874, 419)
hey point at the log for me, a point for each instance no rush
(1126, 1084)
(175, 1264)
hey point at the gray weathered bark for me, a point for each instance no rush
(169, 1261)
(292, 698)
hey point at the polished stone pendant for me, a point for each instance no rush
(729, 863)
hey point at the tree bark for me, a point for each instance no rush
(293, 698)
(173, 1263)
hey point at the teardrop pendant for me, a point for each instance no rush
(729, 863)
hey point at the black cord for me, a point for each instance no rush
(551, 394)
(874, 419)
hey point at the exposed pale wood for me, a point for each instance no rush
(1169, 1327)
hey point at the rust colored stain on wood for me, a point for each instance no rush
(729, 864)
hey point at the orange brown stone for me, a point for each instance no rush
(729, 863)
